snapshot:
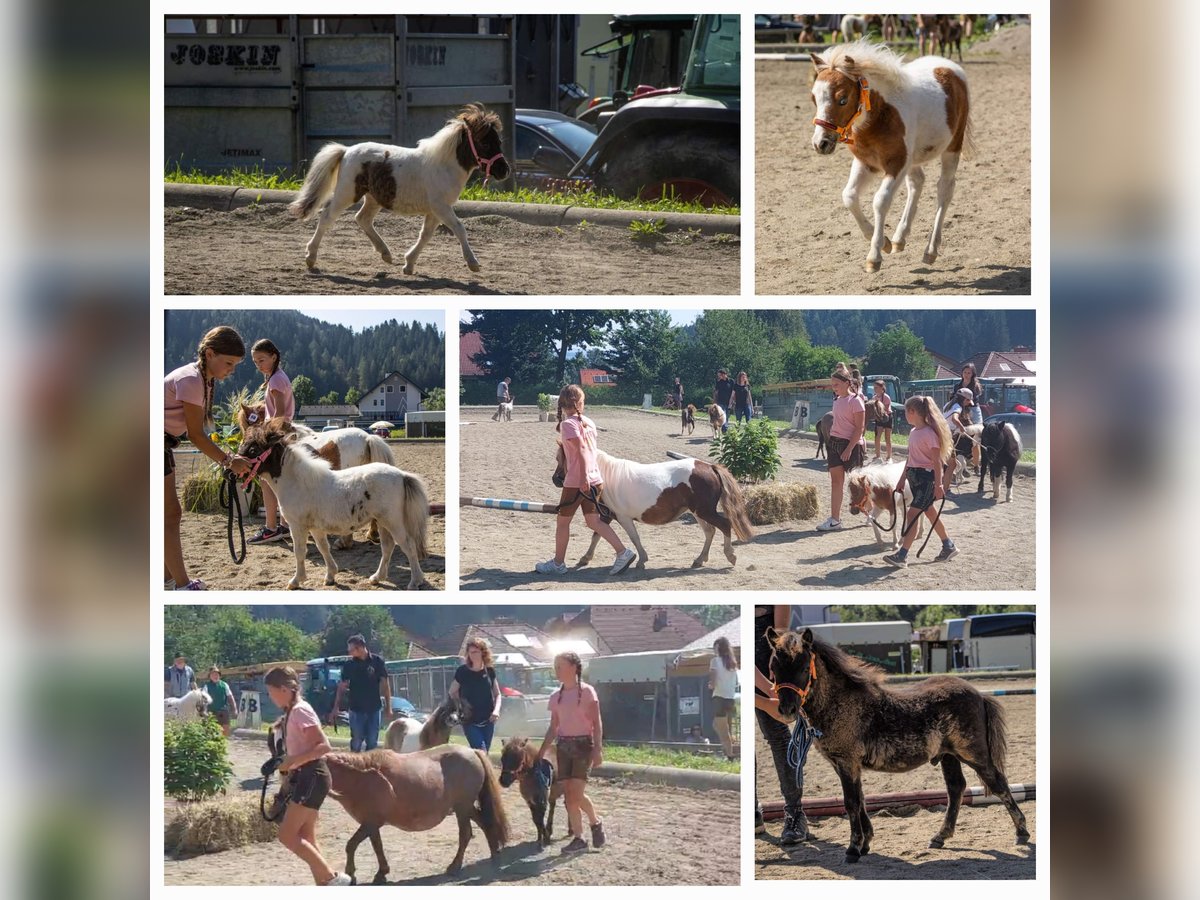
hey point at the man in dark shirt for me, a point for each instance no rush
(364, 676)
(723, 396)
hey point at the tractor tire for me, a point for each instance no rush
(692, 164)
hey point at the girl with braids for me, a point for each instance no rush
(188, 413)
(304, 744)
(575, 722)
(722, 681)
(846, 448)
(582, 486)
(929, 449)
(281, 404)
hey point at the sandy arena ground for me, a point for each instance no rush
(261, 251)
(656, 835)
(807, 241)
(515, 460)
(983, 845)
(270, 566)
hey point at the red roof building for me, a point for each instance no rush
(634, 629)
(469, 346)
(596, 378)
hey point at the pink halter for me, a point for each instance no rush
(258, 461)
(485, 165)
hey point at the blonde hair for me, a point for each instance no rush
(485, 650)
(572, 396)
(933, 418)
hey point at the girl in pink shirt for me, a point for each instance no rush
(188, 401)
(845, 441)
(575, 722)
(281, 404)
(582, 485)
(882, 418)
(304, 744)
(929, 448)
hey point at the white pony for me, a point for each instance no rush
(320, 500)
(343, 447)
(872, 491)
(895, 117)
(188, 708)
(425, 180)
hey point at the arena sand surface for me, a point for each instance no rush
(808, 243)
(515, 460)
(270, 566)
(656, 835)
(261, 251)
(983, 845)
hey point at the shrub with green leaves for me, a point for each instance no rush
(196, 765)
(544, 402)
(749, 451)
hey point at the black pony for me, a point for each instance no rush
(865, 724)
(1000, 447)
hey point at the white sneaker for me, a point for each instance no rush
(341, 879)
(830, 524)
(550, 567)
(621, 563)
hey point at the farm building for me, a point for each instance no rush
(318, 415)
(394, 396)
(590, 378)
(630, 629)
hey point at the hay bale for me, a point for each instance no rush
(211, 826)
(768, 504)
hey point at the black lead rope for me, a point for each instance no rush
(229, 501)
(916, 518)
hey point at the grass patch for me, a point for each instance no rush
(675, 759)
(592, 200)
(256, 178)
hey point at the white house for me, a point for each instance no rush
(391, 398)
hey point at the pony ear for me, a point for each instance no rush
(818, 61)
(807, 637)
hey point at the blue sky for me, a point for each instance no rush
(358, 319)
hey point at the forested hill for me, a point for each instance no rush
(958, 334)
(334, 357)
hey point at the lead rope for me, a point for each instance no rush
(803, 735)
(229, 500)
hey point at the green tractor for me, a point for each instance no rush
(680, 142)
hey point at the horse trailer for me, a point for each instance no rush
(885, 644)
(270, 91)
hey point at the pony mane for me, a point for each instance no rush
(444, 144)
(881, 66)
(474, 117)
(850, 667)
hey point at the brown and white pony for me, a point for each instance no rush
(895, 117)
(716, 418)
(872, 493)
(658, 493)
(425, 180)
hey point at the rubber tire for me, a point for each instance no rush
(701, 155)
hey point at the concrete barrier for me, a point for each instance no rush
(225, 198)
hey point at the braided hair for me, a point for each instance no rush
(223, 341)
(572, 396)
(265, 345)
(284, 677)
(572, 657)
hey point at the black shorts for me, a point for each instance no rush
(170, 443)
(722, 707)
(888, 423)
(590, 501)
(311, 784)
(837, 446)
(921, 481)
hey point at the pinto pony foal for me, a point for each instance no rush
(895, 117)
(425, 180)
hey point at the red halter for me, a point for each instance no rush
(485, 165)
(864, 105)
(812, 679)
(258, 461)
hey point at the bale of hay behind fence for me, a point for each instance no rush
(770, 503)
(211, 826)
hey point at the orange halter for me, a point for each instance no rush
(812, 679)
(864, 105)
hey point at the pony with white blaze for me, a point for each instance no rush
(895, 117)
(188, 708)
(320, 500)
(423, 180)
(344, 448)
(872, 491)
(659, 493)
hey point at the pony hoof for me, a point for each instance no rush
(310, 263)
(293, 585)
(1023, 838)
(474, 267)
(387, 258)
(697, 563)
(937, 843)
(851, 856)
(929, 258)
(887, 246)
(354, 880)
(897, 246)
(871, 266)
(380, 878)
(408, 269)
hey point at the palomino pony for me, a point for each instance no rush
(539, 790)
(658, 493)
(320, 500)
(895, 117)
(425, 180)
(863, 723)
(343, 447)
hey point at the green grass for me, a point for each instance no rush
(255, 178)
(592, 200)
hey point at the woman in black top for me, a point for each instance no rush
(795, 825)
(742, 401)
(475, 682)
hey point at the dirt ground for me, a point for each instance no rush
(270, 566)
(983, 845)
(656, 835)
(261, 251)
(515, 460)
(807, 241)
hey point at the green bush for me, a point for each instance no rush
(544, 402)
(750, 452)
(196, 765)
(436, 400)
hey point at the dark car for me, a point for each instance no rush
(1025, 423)
(547, 145)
